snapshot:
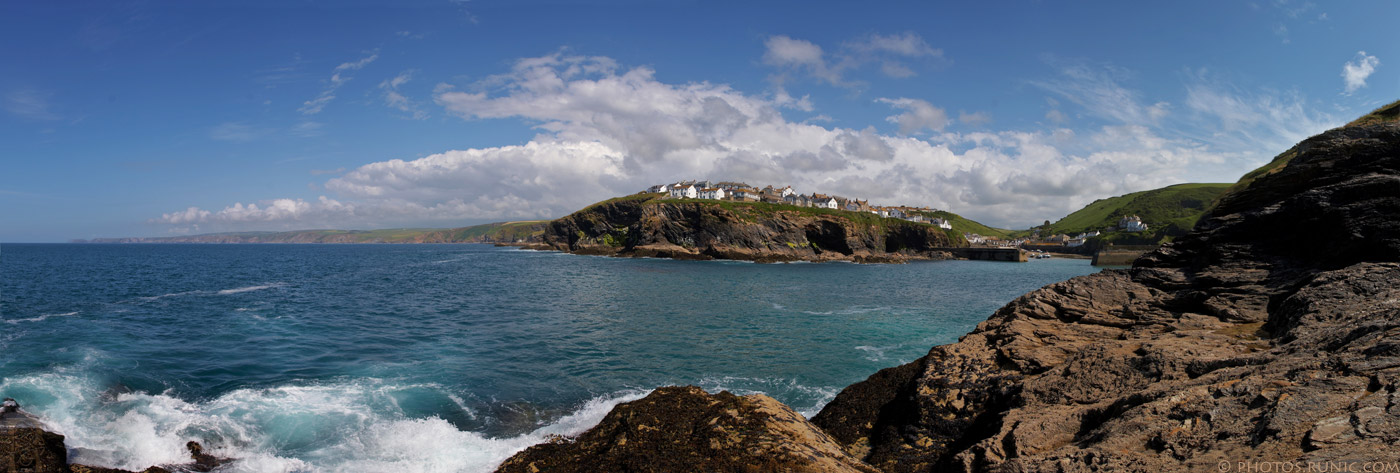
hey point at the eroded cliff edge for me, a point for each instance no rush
(1269, 334)
(642, 225)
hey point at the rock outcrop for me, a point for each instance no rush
(1270, 334)
(639, 226)
(687, 429)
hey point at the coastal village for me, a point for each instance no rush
(742, 192)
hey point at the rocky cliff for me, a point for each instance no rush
(644, 226)
(1270, 334)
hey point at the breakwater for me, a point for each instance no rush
(1121, 255)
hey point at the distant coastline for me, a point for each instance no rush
(518, 232)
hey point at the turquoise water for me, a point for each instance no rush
(438, 357)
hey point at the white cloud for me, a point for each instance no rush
(1056, 117)
(1100, 92)
(918, 115)
(605, 131)
(189, 215)
(889, 51)
(907, 44)
(30, 104)
(395, 100)
(1356, 71)
(1235, 119)
(314, 106)
(785, 51)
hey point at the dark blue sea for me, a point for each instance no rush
(438, 357)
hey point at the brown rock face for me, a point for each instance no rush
(1270, 334)
(697, 230)
(687, 429)
(31, 450)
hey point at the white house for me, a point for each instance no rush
(713, 193)
(1132, 223)
(894, 212)
(942, 223)
(684, 192)
(824, 201)
(659, 188)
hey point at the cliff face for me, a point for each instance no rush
(700, 230)
(1270, 334)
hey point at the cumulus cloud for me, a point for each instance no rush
(604, 130)
(339, 77)
(1356, 71)
(918, 115)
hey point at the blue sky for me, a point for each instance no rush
(156, 118)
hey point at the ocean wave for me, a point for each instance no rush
(351, 425)
(877, 353)
(238, 290)
(41, 318)
(848, 311)
(173, 294)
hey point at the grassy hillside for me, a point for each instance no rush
(500, 232)
(960, 224)
(964, 225)
(1169, 211)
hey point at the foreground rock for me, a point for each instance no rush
(1269, 334)
(687, 429)
(638, 226)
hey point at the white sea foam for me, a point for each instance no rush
(41, 318)
(238, 290)
(877, 353)
(848, 311)
(173, 294)
(344, 426)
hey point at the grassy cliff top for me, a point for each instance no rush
(1389, 113)
(1177, 206)
(752, 209)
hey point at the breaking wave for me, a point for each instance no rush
(41, 318)
(352, 425)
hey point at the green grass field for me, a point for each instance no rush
(1169, 211)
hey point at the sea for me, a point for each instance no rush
(438, 358)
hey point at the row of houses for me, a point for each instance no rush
(738, 191)
(976, 239)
